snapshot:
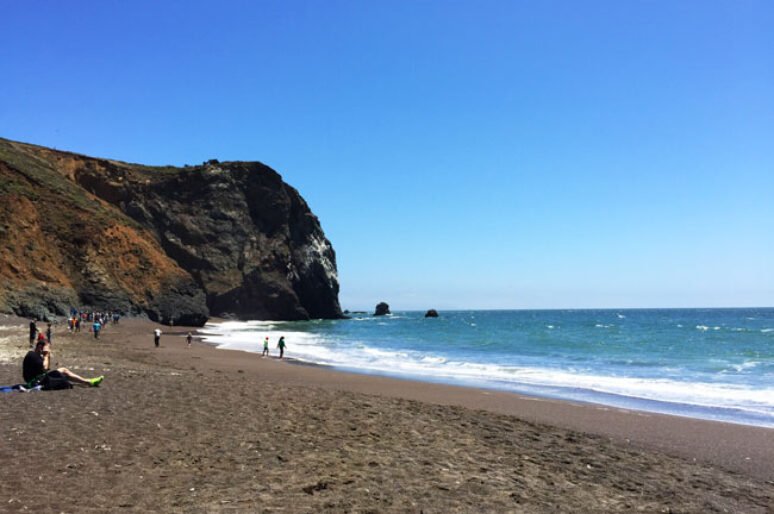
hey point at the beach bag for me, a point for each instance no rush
(55, 380)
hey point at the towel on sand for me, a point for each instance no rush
(18, 387)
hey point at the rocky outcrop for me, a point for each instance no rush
(382, 309)
(173, 243)
(432, 313)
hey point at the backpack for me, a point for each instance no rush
(55, 380)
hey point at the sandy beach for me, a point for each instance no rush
(179, 429)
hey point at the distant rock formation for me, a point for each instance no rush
(172, 243)
(432, 313)
(382, 309)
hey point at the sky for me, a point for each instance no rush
(483, 155)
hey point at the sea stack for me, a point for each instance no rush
(381, 309)
(432, 313)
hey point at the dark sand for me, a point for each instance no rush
(179, 429)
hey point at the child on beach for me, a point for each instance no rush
(265, 347)
(281, 346)
(188, 339)
(96, 328)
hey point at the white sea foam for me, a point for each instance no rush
(704, 328)
(373, 352)
(237, 326)
(767, 330)
(745, 365)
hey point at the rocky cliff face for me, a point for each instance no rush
(231, 239)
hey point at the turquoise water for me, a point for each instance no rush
(706, 363)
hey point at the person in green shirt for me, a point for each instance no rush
(265, 347)
(281, 346)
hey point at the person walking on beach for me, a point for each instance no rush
(265, 347)
(281, 346)
(156, 337)
(188, 339)
(35, 369)
(33, 331)
(96, 328)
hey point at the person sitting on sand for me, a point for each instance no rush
(265, 347)
(37, 362)
(281, 346)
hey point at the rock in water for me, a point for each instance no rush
(172, 243)
(382, 309)
(432, 313)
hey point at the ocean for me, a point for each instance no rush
(713, 364)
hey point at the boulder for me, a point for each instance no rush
(381, 309)
(432, 313)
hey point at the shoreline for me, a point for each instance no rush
(738, 447)
(177, 428)
(450, 382)
(668, 396)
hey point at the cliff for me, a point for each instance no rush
(230, 239)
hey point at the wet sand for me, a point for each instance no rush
(179, 429)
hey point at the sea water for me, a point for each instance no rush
(705, 363)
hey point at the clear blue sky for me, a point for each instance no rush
(459, 154)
